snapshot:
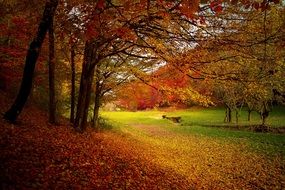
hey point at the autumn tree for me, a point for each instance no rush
(31, 59)
(16, 21)
(130, 23)
(131, 28)
(253, 64)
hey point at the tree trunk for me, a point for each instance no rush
(85, 87)
(73, 72)
(249, 115)
(52, 106)
(82, 92)
(83, 103)
(229, 115)
(264, 113)
(87, 101)
(31, 59)
(237, 116)
(96, 107)
(264, 116)
(226, 116)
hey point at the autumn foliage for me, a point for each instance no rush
(139, 55)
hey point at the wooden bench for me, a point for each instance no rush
(173, 119)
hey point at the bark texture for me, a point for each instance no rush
(52, 105)
(90, 59)
(73, 73)
(96, 106)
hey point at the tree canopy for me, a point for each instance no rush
(167, 52)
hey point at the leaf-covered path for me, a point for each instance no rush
(48, 157)
(210, 163)
(36, 155)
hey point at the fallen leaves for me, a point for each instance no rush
(35, 155)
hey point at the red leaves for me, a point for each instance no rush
(91, 32)
(189, 7)
(216, 6)
(19, 21)
(36, 155)
(100, 4)
(125, 33)
(256, 5)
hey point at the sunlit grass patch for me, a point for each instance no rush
(194, 122)
(142, 117)
(216, 157)
(215, 117)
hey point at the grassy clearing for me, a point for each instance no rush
(211, 158)
(215, 116)
(195, 120)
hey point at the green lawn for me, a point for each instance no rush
(195, 122)
(215, 116)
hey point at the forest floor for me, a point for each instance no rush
(37, 155)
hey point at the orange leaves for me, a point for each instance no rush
(125, 33)
(234, 2)
(189, 7)
(262, 5)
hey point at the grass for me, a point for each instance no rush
(215, 117)
(211, 157)
(195, 120)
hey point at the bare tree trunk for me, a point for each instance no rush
(85, 87)
(31, 59)
(52, 106)
(73, 73)
(228, 115)
(237, 116)
(249, 115)
(265, 112)
(264, 116)
(96, 106)
(87, 101)
(82, 91)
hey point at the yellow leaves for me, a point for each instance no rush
(192, 96)
(207, 162)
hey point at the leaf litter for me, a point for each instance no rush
(37, 155)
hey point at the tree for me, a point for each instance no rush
(73, 75)
(31, 59)
(16, 28)
(115, 28)
(254, 62)
(52, 105)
